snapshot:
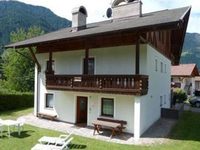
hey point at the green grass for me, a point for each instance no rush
(184, 136)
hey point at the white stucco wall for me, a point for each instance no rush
(114, 60)
(159, 85)
(65, 107)
(121, 59)
(117, 60)
(123, 108)
(71, 62)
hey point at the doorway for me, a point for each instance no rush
(82, 106)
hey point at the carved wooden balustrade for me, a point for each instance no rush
(116, 84)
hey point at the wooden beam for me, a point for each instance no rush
(137, 57)
(92, 42)
(34, 58)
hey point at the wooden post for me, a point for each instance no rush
(137, 56)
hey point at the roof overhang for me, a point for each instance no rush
(118, 36)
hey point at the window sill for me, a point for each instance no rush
(47, 108)
(106, 117)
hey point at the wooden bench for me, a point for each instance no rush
(98, 124)
(121, 122)
(47, 116)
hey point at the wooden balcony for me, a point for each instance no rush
(115, 84)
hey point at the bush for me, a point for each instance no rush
(16, 101)
(179, 95)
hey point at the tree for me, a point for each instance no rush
(18, 70)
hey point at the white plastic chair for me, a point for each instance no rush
(21, 122)
(52, 147)
(54, 140)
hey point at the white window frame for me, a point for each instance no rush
(45, 101)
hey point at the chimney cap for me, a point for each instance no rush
(80, 9)
(119, 2)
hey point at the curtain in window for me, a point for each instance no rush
(107, 107)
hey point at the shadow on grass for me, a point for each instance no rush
(11, 112)
(77, 146)
(23, 134)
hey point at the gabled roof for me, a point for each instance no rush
(147, 22)
(185, 70)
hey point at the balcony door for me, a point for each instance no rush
(81, 115)
(88, 67)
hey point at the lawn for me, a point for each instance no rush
(184, 136)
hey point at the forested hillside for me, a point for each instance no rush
(14, 15)
(191, 49)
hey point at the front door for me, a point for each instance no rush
(81, 116)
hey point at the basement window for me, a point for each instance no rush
(49, 100)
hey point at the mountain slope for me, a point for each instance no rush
(191, 49)
(14, 15)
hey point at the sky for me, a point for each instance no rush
(97, 8)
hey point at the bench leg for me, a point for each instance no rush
(113, 133)
(96, 128)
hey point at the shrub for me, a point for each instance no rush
(179, 95)
(16, 101)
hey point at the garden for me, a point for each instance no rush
(185, 135)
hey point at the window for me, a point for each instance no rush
(161, 101)
(161, 67)
(107, 107)
(156, 65)
(165, 99)
(88, 67)
(49, 101)
(165, 68)
(48, 67)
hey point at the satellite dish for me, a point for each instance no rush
(130, 1)
(109, 12)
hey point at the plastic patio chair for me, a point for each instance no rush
(21, 122)
(54, 140)
(52, 147)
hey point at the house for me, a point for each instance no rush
(183, 76)
(118, 68)
(197, 85)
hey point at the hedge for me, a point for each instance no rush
(179, 95)
(16, 101)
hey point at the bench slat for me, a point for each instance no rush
(122, 122)
(47, 116)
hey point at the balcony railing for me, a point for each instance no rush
(116, 84)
